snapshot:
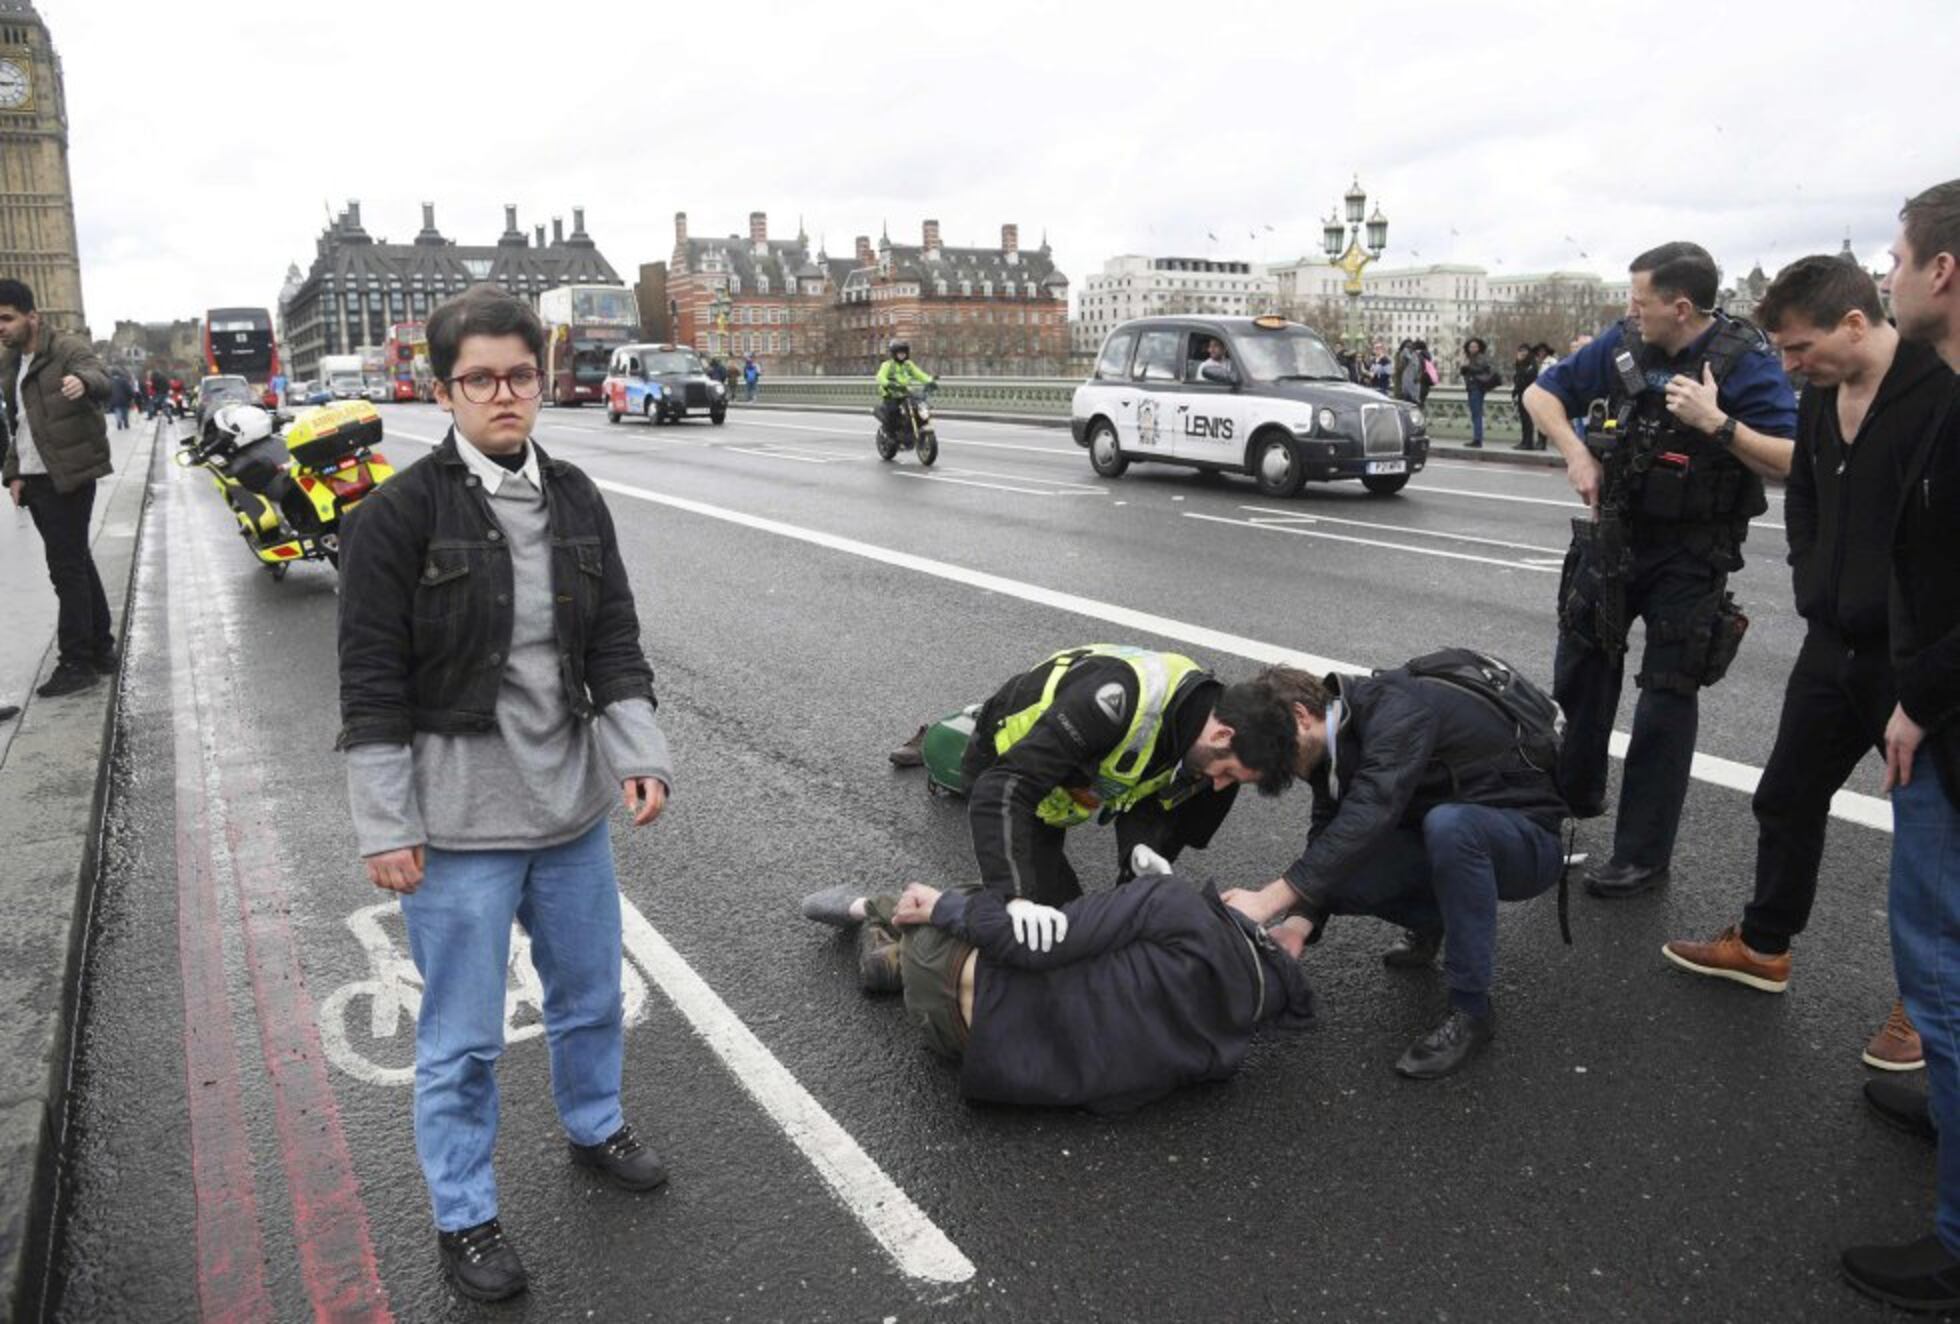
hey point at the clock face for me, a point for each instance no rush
(14, 87)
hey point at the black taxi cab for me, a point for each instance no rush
(662, 384)
(1256, 395)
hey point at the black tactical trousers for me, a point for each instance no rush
(1669, 583)
(1834, 713)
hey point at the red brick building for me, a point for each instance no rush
(967, 311)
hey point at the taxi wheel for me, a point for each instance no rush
(1276, 467)
(1105, 456)
(1385, 484)
(654, 416)
(718, 416)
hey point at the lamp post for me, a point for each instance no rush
(718, 308)
(1353, 246)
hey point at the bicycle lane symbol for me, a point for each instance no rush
(367, 1026)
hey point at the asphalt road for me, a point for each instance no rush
(1637, 1144)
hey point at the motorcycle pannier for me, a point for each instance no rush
(321, 438)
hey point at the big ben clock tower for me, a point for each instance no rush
(37, 204)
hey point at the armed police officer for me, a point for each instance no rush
(1692, 412)
(1146, 740)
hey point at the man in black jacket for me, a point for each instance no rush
(1865, 409)
(1159, 985)
(1143, 738)
(1426, 813)
(1922, 750)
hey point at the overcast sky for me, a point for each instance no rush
(206, 143)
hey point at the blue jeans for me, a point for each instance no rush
(1476, 398)
(1448, 875)
(1926, 957)
(567, 899)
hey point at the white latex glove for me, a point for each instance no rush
(1036, 927)
(1144, 862)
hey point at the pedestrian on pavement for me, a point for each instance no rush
(1408, 372)
(1922, 755)
(1480, 376)
(751, 374)
(1431, 374)
(1524, 371)
(1428, 810)
(494, 699)
(121, 392)
(1159, 985)
(1379, 369)
(1703, 413)
(1868, 405)
(153, 394)
(1146, 738)
(53, 388)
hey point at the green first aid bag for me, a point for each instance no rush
(944, 750)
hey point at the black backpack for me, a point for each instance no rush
(1536, 717)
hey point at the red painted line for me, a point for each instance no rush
(230, 1257)
(338, 1266)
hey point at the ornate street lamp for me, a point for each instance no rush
(1345, 248)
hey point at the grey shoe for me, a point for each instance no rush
(832, 906)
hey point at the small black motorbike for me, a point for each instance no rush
(914, 427)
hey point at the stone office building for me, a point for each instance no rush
(358, 285)
(37, 202)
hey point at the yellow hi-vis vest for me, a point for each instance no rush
(1119, 781)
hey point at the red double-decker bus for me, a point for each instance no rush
(238, 342)
(406, 359)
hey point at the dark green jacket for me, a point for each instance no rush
(71, 435)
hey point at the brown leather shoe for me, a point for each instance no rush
(1729, 957)
(1896, 1046)
(911, 754)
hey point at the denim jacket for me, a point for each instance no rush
(425, 603)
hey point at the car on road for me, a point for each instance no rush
(1275, 406)
(662, 384)
(378, 390)
(215, 392)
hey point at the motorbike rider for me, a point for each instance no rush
(1698, 412)
(1105, 731)
(897, 375)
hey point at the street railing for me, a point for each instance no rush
(1048, 397)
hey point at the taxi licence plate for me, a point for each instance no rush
(1388, 466)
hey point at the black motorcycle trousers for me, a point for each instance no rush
(1834, 712)
(1668, 585)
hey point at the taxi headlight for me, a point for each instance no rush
(1327, 420)
(1415, 418)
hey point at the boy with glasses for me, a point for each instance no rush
(493, 694)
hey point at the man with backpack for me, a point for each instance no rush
(1434, 798)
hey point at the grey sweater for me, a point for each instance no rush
(545, 777)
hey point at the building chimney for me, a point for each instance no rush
(510, 218)
(1010, 240)
(578, 222)
(680, 227)
(353, 213)
(539, 230)
(864, 254)
(428, 216)
(557, 229)
(759, 231)
(932, 238)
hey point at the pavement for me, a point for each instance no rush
(1637, 1144)
(54, 763)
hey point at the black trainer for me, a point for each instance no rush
(1413, 950)
(1901, 1105)
(1614, 881)
(1449, 1047)
(68, 678)
(1921, 1276)
(9, 711)
(621, 1156)
(107, 661)
(481, 1263)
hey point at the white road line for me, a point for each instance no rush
(1268, 526)
(1866, 810)
(975, 482)
(1289, 516)
(920, 1249)
(1567, 503)
(775, 455)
